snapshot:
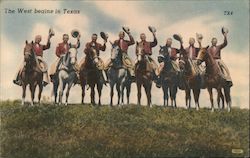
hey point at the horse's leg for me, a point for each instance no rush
(83, 91)
(32, 92)
(139, 93)
(55, 88)
(99, 89)
(61, 88)
(118, 89)
(24, 93)
(92, 94)
(196, 93)
(67, 92)
(174, 95)
(128, 87)
(40, 93)
(188, 98)
(228, 98)
(210, 91)
(111, 92)
(122, 93)
(148, 94)
(165, 94)
(220, 97)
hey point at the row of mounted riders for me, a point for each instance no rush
(187, 74)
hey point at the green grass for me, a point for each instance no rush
(50, 131)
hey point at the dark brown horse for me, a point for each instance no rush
(31, 75)
(191, 79)
(90, 75)
(144, 75)
(169, 78)
(213, 79)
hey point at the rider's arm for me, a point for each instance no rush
(58, 51)
(103, 47)
(47, 46)
(224, 44)
(131, 40)
(154, 43)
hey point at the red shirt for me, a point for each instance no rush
(124, 44)
(39, 48)
(62, 48)
(215, 50)
(96, 46)
(147, 46)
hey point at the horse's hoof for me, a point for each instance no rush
(197, 109)
(229, 110)
(212, 110)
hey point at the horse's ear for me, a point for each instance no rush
(111, 43)
(207, 47)
(137, 43)
(26, 42)
(161, 47)
(32, 42)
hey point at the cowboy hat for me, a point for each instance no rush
(177, 37)
(125, 29)
(104, 35)
(152, 29)
(75, 33)
(224, 30)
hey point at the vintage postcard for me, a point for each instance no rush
(124, 78)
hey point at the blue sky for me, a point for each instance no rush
(169, 17)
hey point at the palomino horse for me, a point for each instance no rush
(31, 75)
(66, 75)
(213, 79)
(191, 78)
(118, 75)
(169, 79)
(144, 74)
(91, 75)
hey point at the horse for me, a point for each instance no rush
(169, 79)
(191, 79)
(213, 79)
(118, 75)
(66, 75)
(90, 75)
(144, 74)
(31, 74)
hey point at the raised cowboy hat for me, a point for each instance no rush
(199, 36)
(224, 30)
(104, 35)
(125, 29)
(177, 37)
(152, 29)
(75, 33)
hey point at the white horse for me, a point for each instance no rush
(66, 75)
(118, 75)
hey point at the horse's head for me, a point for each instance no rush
(72, 55)
(28, 51)
(164, 54)
(164, 50)
(93, 55)
(202, 55)
(114, 51)
(139, 51)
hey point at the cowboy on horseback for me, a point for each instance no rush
(124, 44)
(38, 50)
(93, 44)
(215, 51)
(61, 49)
(147, 47)
(172, 54)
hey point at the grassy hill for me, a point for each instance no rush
(84, 131)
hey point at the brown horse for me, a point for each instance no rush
(168, 77)
(191, 79)
(31, 75)
(144, 75)
(90, 75)
(213, 79)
